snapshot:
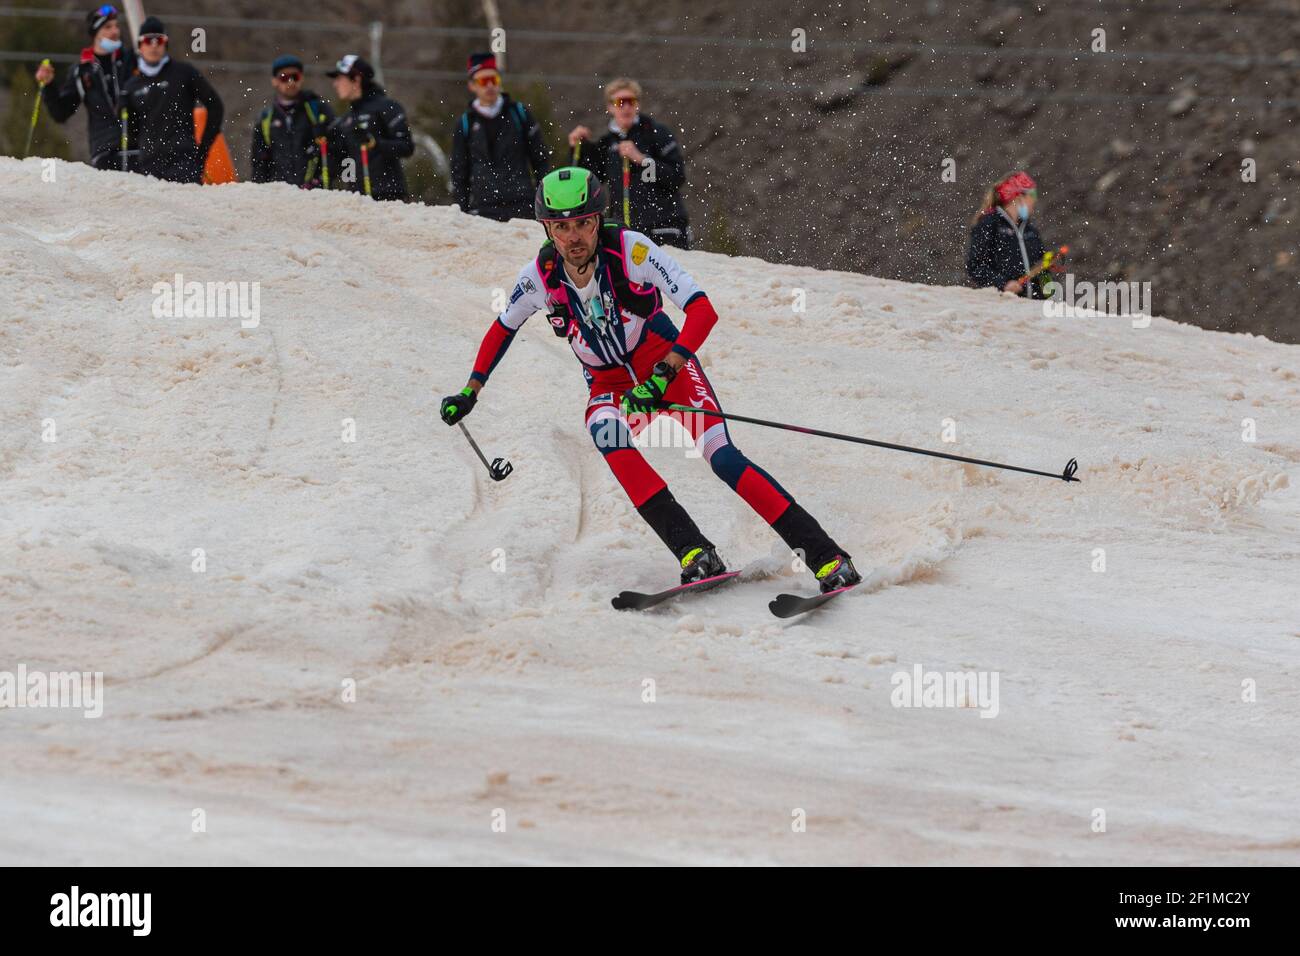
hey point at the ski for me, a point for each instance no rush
(788, 605)
(637, 601)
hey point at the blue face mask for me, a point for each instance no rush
(109, 46)
(1022, 212)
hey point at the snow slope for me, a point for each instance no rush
(521, 691)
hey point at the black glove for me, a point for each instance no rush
(312, 178)
(365, 133)
(456, 407)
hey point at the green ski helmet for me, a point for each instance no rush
(569, 193)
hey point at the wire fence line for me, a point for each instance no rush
(743, 85)
(1078, 56)
(1180, 9)
(597, 83)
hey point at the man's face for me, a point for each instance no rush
(109, 31)
(153, 47)
(623, 106)
(347, 87)
(486, 86)
(287, 82)
(575, 238)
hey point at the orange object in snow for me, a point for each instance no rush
(218, 168)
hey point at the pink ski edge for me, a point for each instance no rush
(695, 584)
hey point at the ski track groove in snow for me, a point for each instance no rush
(372, 562)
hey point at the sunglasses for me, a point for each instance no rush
(107, 10)
(489, 79)
(153, 39)
(623, 101)
(288, 77)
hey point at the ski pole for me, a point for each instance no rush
(36, 113)
(365, 168)
(1048, 258)
(499, 470)
(627, 199)
(577, 153)
(324, 162)
(1067, 474)
(124, 138)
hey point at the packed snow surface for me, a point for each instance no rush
(380, 655)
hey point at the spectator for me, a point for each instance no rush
(286, 146)
(373, 132)
(648, 157)
(495, 143)
(97, 81)
(160, 99)
(1004, 244)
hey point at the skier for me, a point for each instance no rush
(603, 286)
(97, 81)
(285, 147)
(495, 143)
(1004, 244)
(160, 98)
(646, 155)
(374, 122)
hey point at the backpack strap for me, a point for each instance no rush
(547, 261)
(611, 237)
(638, 300)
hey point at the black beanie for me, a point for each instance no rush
(98, 17)
(152, 25)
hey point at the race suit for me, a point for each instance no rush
(618, 329)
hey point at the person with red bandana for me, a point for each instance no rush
(1004, 244)
(603, 287)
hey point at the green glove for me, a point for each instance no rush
(456, 407)
(645, 398)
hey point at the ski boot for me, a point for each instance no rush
(701, 563)
(837, 573)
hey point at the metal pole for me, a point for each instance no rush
(376, 40)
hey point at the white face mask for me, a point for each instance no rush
(109, 46)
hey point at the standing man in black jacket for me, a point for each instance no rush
(494, 144)
(645, 155)
(286, 135)
(97, 81)
(373, 122)
(160, 100)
